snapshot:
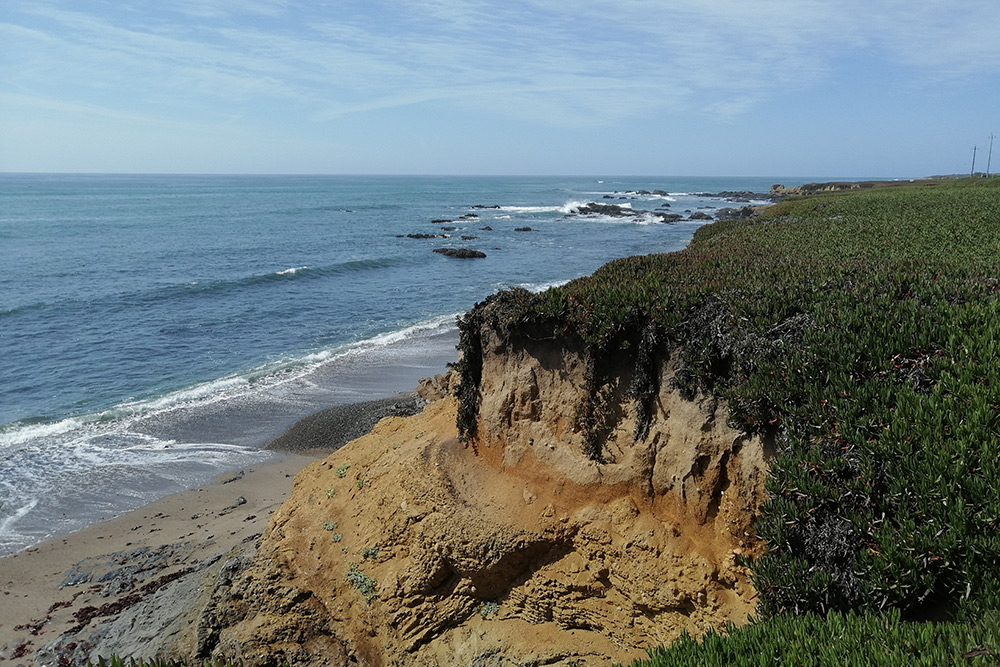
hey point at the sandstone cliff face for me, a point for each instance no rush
(410, 547)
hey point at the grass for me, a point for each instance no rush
(859, 329)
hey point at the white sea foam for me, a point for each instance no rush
(120, 421)
(382, 340)
(533, 209)
(571, 207)
(8, 522)
(291, 271)
(535, 287)
(19, 434)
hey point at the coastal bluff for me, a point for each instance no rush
(412, 546)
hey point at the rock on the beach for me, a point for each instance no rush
(334, 427)
(461, 253)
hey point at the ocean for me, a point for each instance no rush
(157, 330)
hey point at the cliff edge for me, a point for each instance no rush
(512, 547)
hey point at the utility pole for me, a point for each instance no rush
(989, 159)
(973, 172)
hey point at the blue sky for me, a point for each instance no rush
(856, 88)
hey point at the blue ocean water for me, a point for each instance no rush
(157, 330)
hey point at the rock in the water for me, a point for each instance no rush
(523, 229)
(734, 213)
(611, 210)
(699, 215)
(461, 253)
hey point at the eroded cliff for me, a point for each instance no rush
(413, 546)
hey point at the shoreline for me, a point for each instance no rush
(59, 595)
(178, 449)
(47, 588)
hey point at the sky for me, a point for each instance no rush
(852, 88)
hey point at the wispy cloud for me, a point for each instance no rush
(590, 63)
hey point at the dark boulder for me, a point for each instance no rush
(699, 215)
(461, 253)
(611, 210)
(523, 229)
(734, 213)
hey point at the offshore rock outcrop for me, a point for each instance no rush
(410, 546)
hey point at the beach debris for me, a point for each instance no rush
(235, 478)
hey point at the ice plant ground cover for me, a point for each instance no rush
(861, 331)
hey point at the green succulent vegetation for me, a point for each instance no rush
(367, 586)
(489, 608)
(116, 661)
(841, 640)
(860, 332)
(342, 470)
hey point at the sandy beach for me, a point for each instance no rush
(57, 596)
(97, 572)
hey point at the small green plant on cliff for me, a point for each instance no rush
(342, 470)
(489, 608)
(330, 525)
(365, 585)
(370, 553)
